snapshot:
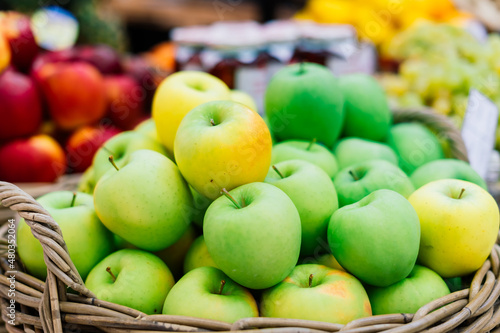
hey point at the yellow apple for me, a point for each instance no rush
(459, 224)
(177, 95)
(222, 144)
(243, 98)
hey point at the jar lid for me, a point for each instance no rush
(311, 30)
(194, 35)
(281, 31)
(237, 34)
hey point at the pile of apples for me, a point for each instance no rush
(347, 215)
(58, 107)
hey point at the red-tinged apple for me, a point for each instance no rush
(125, 98)
(21, 108)
(36, 159)
(316, 292)
(222, 144)
(103, 57)
(84, 143)
(16, 28)
(71, 107)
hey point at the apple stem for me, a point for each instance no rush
(461, 192)
(112, 161)
(226, 193)
(107, 150)
(212, 122)
(73, 200)
(301, 68)
(353, 174)
(222, 284)
(113, 277)
(313, 141)
(311, 280)
(278, 172)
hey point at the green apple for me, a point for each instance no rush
(200, 207)
(307, 151)
(174, 255)
(357, 181)
(178, 94)
(443, 169)
(377, 238)
(367, 113)
(422, 286)
(350, 151)
(304, 101)
(222, 144)
(148, 128)
(146, 201)
(87, 239)
(198, 256)
(312, 193)
(253, 235)
(120, 147)
(459, 222)
(243, 98)
(316, 292)
(133, 278)
(206, 292)
(415, 145)
(86, 183)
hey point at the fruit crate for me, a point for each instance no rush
(49, 306)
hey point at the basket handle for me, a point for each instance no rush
(61, 271)
(438, 123)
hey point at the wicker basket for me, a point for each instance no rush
(49, 307)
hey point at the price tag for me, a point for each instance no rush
(478, 131)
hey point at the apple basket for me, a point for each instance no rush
(31, 305)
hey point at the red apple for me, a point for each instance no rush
(36, 159)
(103, 57)
(17, 30)
(74, 93)
(125, 101)
(141, 70)
(20, 106)
(83, 144)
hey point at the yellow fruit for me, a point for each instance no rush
(459, 224)
(332, 11)
(178, 94)
(4, 52)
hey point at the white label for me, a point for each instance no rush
(478, 131)
(253, 81)
(362, 59)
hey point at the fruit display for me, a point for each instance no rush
(198, 213)
(78, 96)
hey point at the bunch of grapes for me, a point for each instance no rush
(439, 64)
